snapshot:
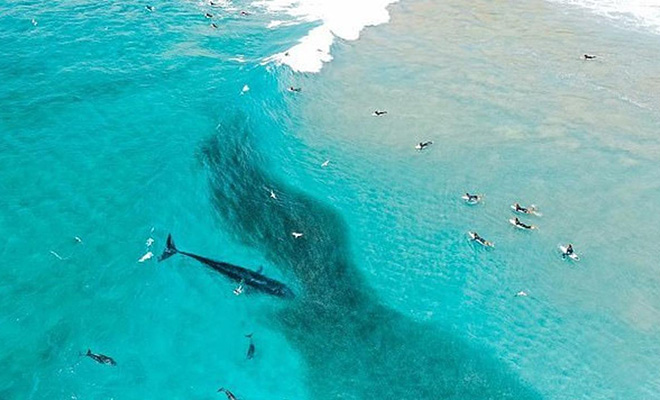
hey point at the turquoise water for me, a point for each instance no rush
(119, 124)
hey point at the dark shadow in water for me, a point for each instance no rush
(353, 346)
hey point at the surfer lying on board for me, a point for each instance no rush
(471, 198)
(475, 236)
(519, 224)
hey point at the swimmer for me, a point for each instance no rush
(378, 113)
(244, 13)
(286, 54)
(207, 15)
(296, 235)
(150, 8)
(294, 89)
(588, 57)
(422, 145)
(471, 198)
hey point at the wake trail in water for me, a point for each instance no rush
(353, 346)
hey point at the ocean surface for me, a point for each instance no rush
(120, 124)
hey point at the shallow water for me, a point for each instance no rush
(119, 125)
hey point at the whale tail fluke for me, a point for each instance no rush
(170, 249)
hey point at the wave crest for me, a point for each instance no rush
(339, 18)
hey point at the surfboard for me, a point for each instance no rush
(573, 256)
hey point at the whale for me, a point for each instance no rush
(243, 276)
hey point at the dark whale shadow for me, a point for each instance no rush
(353, 346)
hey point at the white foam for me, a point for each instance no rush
(338, 18)
(147, 256)
(644, 13)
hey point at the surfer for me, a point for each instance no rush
(150, 8)
(207, 15)
(471, 198)
(475, 236)
(378, 113)
(518, 208)
(214, 26)
(588, 57)
(569, 250)
(517, 222)
(294, 89)
(531, 210)
(422, 145)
